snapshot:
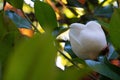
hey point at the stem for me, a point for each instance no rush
(62, 53)
(30, 21)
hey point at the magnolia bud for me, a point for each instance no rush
(87, 41)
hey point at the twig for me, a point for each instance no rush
(30, 21)
(61, 52)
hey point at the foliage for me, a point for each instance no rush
(114, 31)
(33, 58)
(46, 21)
(15, 3)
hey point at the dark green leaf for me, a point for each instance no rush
(112, 67)
(16, 3)
(104, 78)
(68, 49)
(103, 69)
(9, 35)
(94, 2)
(74, 3)
(45, 15)
(104, 24)
(2, 30)
(115, 29)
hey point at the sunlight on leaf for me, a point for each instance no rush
(1, 4)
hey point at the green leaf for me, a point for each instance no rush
(115, 29)
(69, 49)
(112, 67)
(74, 3)
(45, 15)
(16, 3)
(19, 21)
(104, 24)
(103, 69)
(35, 60)
(32, 60)
(1, 5)
(72, 74)
(9, 36)
(2, 30)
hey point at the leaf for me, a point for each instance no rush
(16, 3)
(104, 78)
(69, 49)
(104, 24)
(18, 20)
(72, 74)
(9, 36)
(112, 53)
(74, 3)
(2, 30)
(103, 69)
(45, 15)
(115, 29)
(104, 11)
(33, 61)
(111, 66)
(1, 5)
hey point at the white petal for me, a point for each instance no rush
(93, 25)
(87, 40)
(77, 26)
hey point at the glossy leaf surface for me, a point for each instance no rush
(103, 68)
(45, 15)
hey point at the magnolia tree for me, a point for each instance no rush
(59, 39)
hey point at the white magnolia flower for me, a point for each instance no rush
(87, 40)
